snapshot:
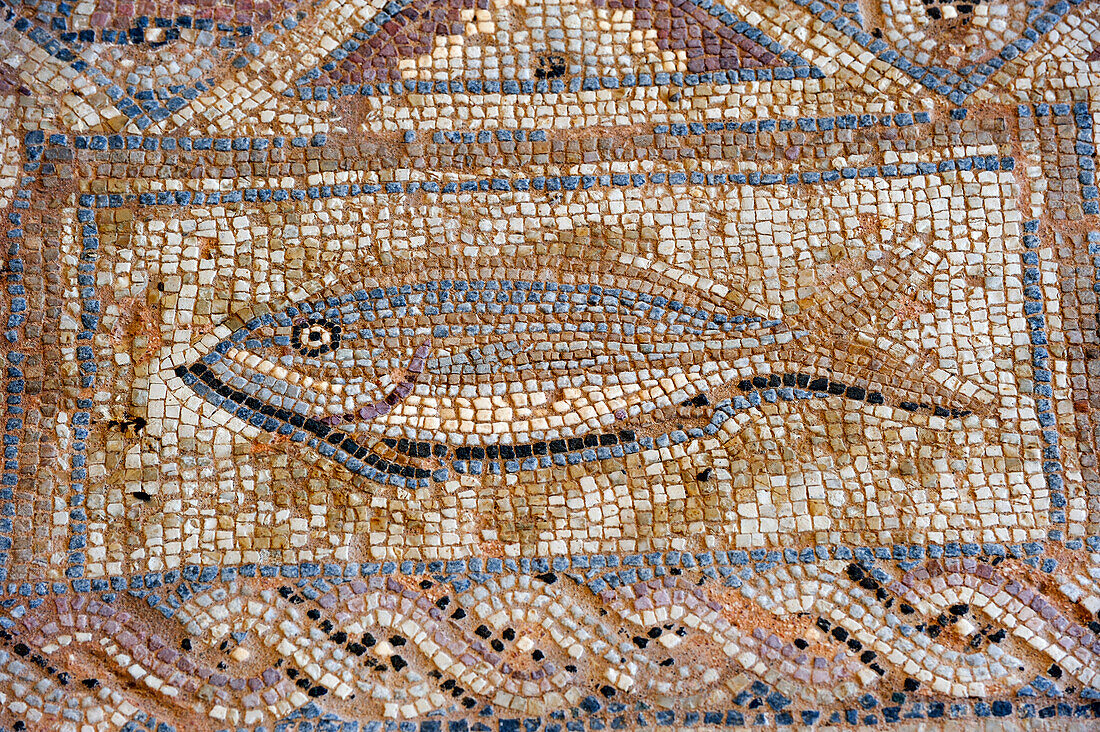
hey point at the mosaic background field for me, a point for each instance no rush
(537, 364)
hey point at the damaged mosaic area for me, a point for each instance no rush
(486, 365)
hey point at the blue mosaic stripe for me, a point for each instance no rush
(38, 144)
(90, 305)
(14, 384)
(552, 86)
(1083, 146)
(39, 140)
(482, 136)
(87, 370)
(554, 183)
(943, 81)
(802, 124)
(716, 564)
(798, 68)
(751, 127)
(1042, 390)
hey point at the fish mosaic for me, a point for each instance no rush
(549, 365)
(437, 365)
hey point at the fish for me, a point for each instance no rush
(539, 365)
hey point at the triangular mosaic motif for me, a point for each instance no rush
(450, 44)
(950, 46)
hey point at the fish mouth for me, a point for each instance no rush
(324, 436)
(318, 434)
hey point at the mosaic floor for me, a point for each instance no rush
(549, 365)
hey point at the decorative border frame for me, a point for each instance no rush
(165, 591)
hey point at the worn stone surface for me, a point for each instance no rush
(455, 364)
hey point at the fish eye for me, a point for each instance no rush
(314, 337)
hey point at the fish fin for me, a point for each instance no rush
(902, 375)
